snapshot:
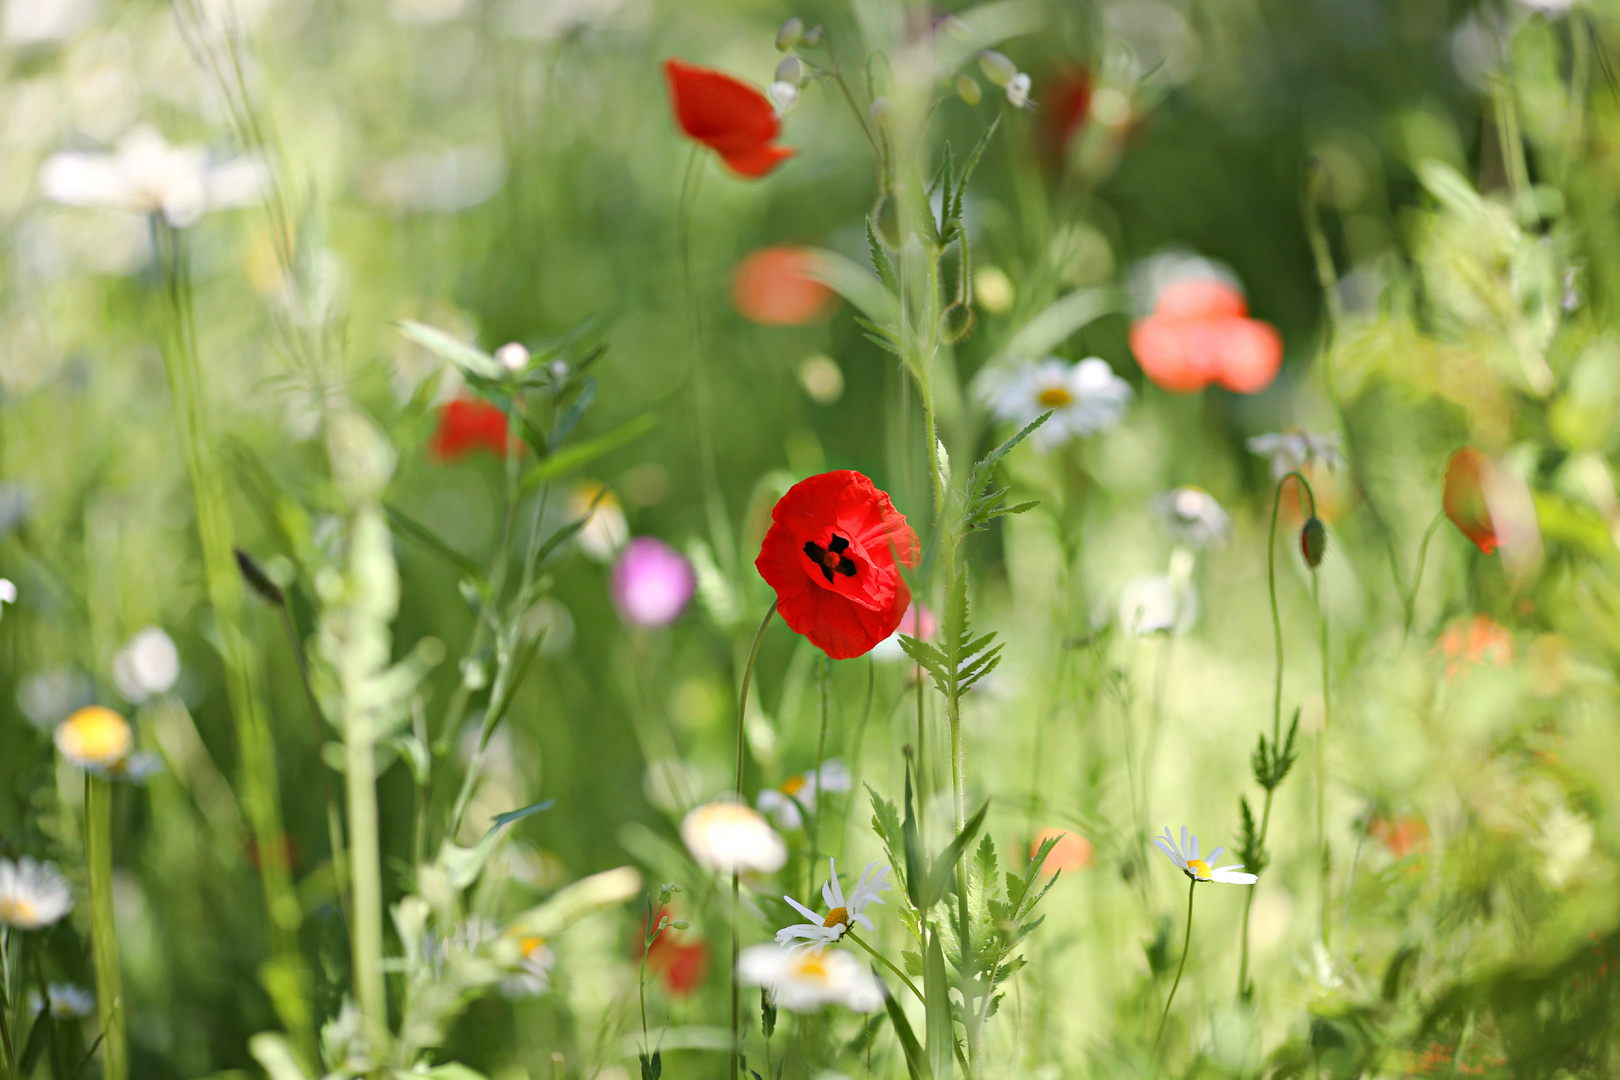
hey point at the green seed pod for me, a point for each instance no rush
(956, 322)
(1313, 542)
(967, 88)
(812, 37)
(997, 67)
(886, 220)
(790, 34)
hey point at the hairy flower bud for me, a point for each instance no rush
(812, 37)
(967, 88)
(956, 322)
(791, 70)
(790, 34)
(1313, 542)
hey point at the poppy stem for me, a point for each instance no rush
(817, 790)
(736, 887)
(1417, 576)
(1322, 851)
(1276, 701)
(1186, 943)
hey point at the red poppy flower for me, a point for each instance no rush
(1066, 102)
(833, 554)
(678, 962)
(1464, 498)
(1200, 333)
(728, 116)
(469, 424)
(774, 286)
(1402, 835)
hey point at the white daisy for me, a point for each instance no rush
(732, 838)
(68, 1002)
(8, 593)
(779, 802)
(95, 738)
(1193, 516)
(1158, 604)
(1084, 398)
(818, 933)
(533, 976)
(804, 980)
(148, 176)
(1290, 451)
(146, 666)
(32, 894)
(1186, 857)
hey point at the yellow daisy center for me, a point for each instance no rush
(836, 917)
(18, 911)
(95, 736)
(1200, 868)
(794, 785)
(812, 966)
(1054, 397)
(530, 945)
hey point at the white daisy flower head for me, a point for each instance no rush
(783, 803)
(1193, 516)
(605, 531)
(8, 593)
(1158, 604)
(803, 980)
(533, 974)
(842, 912)
(68, 1002)
(1293, 450)
(33, 895)
(731, 838)
(146, 666)
(146, 175)
(1185, 855)
(1084, 398)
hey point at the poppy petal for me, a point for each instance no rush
(1248, 354)
(755, 161)
(718, 110)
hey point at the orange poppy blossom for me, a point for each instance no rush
(467, 425)
(775, 287)
(1474, 640)
(1071, 852)
(1199, 333)
(728, 116)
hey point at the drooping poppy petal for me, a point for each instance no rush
(1248, 354)
(1464, 498)
(775, 287)
(833, 554)
(466, 425)
(728, 116)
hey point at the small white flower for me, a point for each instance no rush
(805, 788)
(8, 593)
(68, 1002)
(784, 95)
(732, 838)
(804, 980)
(146, 666)
(842, 913)
(1291, 451)
(533, 976)
(512, 356)
(146, 175)
(1083, 398)
(1186, 857)
(1018, 91)
(32, 894)
(1193, 516)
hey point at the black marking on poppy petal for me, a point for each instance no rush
(831, 558)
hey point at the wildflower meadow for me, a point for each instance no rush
(664, 539)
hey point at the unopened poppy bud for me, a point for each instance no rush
(956, 321)
(812, 37)
(791, 70)
(997, 67)
(1313, 542)
(258, 579)
(1018, 90)
(512, 356)
(784, 95)
(790, 34)
(967, 88)
(886, 220)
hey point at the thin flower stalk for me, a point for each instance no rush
(1186, 947)
(1276, 703)
(736, 881)
(260, 797)
(103, 928)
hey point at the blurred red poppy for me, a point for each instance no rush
(1071, 852)
(1464, 498)
(1475, 640)
(728, 116)
(468, 424)
(680, 964)
(775, 286)
(1402, 835)
(1199, 333)
(1066, 100)
(833, 554)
